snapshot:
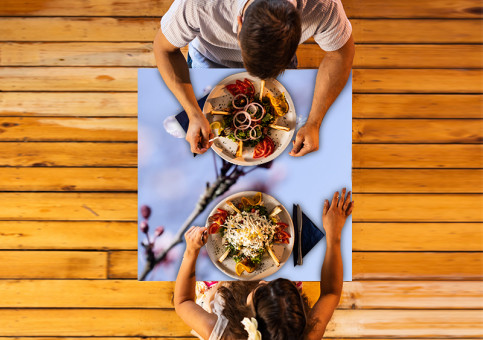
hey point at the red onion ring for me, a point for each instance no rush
(237, 96)
(252, 114)
(246, 122)
(238, 138)
(254, 128)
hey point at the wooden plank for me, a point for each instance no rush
(414, 31)
(125, 79)
(418, 208)
(417, 106)
(68, 104)
(309, 55)
(416, 81)
(122, 263)
(430, 237)
(52, 265)
(417, 181)
(353, 8)
(68, 206)
(42, 154)
(68, 79)
(68, 129)
(146, 322)
(125, 104)
(380, 31)
(417, 156)
(394, 56)
(123, 207)
(68, 179)
(152, 294)
(424, 131)
(416, 266)
(365, 265)
(68, 235)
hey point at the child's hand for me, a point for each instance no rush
(334, 216)
(196, 238)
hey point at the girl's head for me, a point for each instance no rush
(280, 309)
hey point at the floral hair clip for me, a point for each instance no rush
(251, 326)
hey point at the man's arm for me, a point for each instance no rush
(331, 277)
(332, 76)
(184, 291)
(173, 68)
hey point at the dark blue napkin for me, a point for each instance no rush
(311, 235)
(182, 117)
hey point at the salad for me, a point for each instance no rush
(249, 117)
(248, 231)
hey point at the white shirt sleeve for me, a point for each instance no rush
(335, 30)
(180, 25)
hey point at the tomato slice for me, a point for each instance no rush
(233, 89)
(251, 88)
(283, 234)
(282, 224)
(259, 149)
(242, 86)
(213, 228)
(270, 146)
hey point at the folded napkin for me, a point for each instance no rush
(182, 117)
(307, 235)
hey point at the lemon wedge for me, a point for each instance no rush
(216, 126)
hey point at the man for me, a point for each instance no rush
(262, 36)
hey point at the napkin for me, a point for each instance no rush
(309, 233)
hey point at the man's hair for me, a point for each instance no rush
(269, 37)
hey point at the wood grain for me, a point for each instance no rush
(417, 181)
(417, 106)
(353, 8)
(52, 265)
(417, 156)
(310, 55)
(150, 294)
(125, 79)
(365, 265)
(418, 208)
(68, 104)
(418, 265)
(68, 235)
(68, 129)
(417, 237)
(68, 179)
(41, 154)
(146, 322)
(381, 31)
(424, 131)
(68, 206)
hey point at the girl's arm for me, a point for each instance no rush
(184, 291)
(331, 279)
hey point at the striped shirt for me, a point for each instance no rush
(210, 28)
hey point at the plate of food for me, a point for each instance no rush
(253, 120)
(250, 235)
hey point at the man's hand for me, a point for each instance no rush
(335, 214)
(199, 133)
(306, 141)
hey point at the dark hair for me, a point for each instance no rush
(280, 310)
(269, 37)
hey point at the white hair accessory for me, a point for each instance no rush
(251, 326)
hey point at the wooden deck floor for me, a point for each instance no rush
(68, 234)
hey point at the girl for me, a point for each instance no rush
(263, 310)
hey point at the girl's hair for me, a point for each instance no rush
(280, 309)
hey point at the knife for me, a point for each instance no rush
(299, 239)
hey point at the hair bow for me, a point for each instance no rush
(251, 326)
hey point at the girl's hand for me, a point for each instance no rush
(196, 238)
(335, 214)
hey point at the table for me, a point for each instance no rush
(170, 179)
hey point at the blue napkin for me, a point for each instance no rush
(182, 117)
(311, 235)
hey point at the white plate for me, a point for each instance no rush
(266, 267)
(219, 98)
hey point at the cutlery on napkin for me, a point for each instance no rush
(307, 235)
